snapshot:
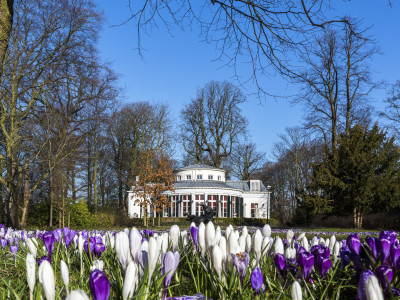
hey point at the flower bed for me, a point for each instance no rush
(201, 263)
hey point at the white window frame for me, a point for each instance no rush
(210, 177)
(199, 177)
(188, 177)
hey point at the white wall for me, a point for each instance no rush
(204, 172)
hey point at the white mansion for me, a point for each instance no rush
(198, 184)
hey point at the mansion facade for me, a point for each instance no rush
(202, 184)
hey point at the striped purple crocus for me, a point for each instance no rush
(99, 285)
(170, 261)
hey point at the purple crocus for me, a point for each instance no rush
(361, 284)
(390, 235)
(280, 264)
(395, 255)
(306, 262)
(14, 249)
(89, 245)
(384, 246)
(194, 232)
(57, 234)
(66, 231)
(170, 261)
(354, 244)
(98, 249)
(323, 265)
(257, 280)
(241, 262)
(99, 285)
(48, 239)
(3, 243)
(371, 242)
(384, 272)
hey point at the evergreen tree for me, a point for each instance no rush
(361, 176)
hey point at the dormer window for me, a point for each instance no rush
(210, 177)
(199, 177)
(219, 178)
(178, 178)
(188, 177)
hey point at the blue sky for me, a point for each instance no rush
(174, 66)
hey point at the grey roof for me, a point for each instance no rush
(202, 184)
(244, 185)
(200, 166)
(233, 184)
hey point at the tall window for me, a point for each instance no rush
(219, 178)
(199, 177)
(254, 207)
(210, 177)
(212, 202)
(178, 177)
(188, 177)
(174, 206)
(186, 205)
(199, 202)
(223, 206)
(233, 200)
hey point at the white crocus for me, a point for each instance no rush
(31, 273)
(258, 240)
(222, 247)
(304, 243)
(135, 241)
(122, 248)
(278, 246)
(130, 281)
(289, 236)
(266, 231)
(202, 238)
(297, 294)
(164, 244)
(373, 289)
(332, 242)
(336, 251)
(301, 236)
(248, 243)
(232, 246)
(228, 231)
(65, 275)
(46, 279)
(77, 295)
(210, 236)
(153, 255)
(245, 232)
(290, 253)
(31, 246)
(185, 238)
(174, 234)
(242, 243)
(216, 256)
(217, 235)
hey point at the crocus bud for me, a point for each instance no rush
(258, 240)
(257, 280)
(153, 254)
(130, 280)
(99, 284)
(248, 243)
(77, 295)
(332, 243)
(228, 231)
(278, 246)
(31, 246)
(164, 244)
(65, 274)
(210, 236)
(242, 243)
(80, 244)
(372, 289)
(266, 245)
(336, 251)
(135, 241)
(289, 236)
(354, 244)
(290, 253)
(232, 246)
(194, 233)
(217, 235)
(170, 263)
(31, 271)
(122, 248)
(174, 234)
(296, 291)
(202, 238)
(266, 231)
(46, 279)
(222, 247)
(216, 256)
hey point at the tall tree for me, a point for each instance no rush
(360, 177)
(392, 109)
(213, 122)
(245, 160)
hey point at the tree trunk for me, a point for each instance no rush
(52, 195)
(6, 22)
(27, 196)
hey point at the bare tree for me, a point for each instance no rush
(245, 160)
(337, 80)
(213, 123)
(264, 34)
(392, 109)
